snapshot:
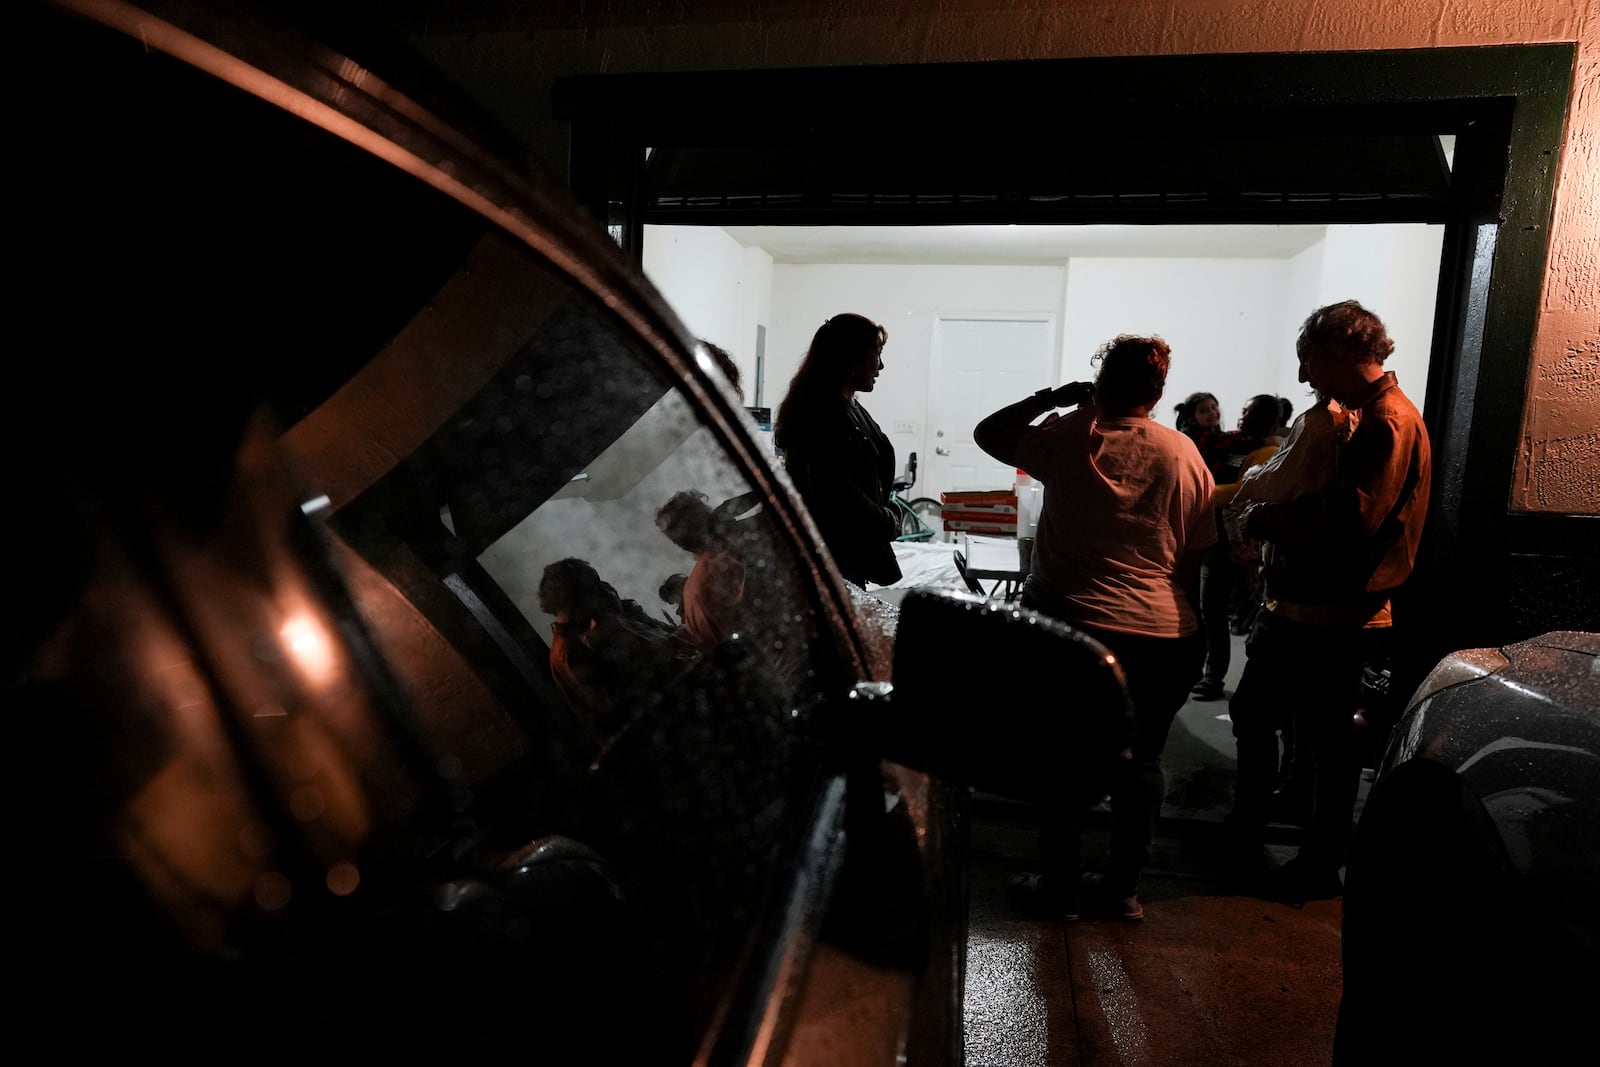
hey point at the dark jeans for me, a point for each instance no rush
(1217, 583)
(1159, 671)
(1314, 672)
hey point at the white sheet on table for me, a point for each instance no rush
(925, 564)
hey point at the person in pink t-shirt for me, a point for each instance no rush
(714, 604)
(1127, 519)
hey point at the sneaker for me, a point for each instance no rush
(1029, 892)
(1103, 902)
(1207, 689)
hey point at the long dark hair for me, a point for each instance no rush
(838, 346)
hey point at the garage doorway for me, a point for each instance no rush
(1331, 137)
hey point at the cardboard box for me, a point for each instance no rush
(994, 529)
(988, 516)
(968, 498)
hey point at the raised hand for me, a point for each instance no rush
(1072, 394)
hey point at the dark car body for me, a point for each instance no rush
(307, 757)
(1471, 932)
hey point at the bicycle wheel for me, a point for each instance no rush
(915, 524)
(930, 511)
(912, 528)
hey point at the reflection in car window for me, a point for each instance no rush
(552, 506)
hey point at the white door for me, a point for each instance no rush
(979, 364)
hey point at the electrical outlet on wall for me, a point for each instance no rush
(905, 425)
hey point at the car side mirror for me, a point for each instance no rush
(1000, 698)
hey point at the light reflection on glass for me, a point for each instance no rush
(307, 644)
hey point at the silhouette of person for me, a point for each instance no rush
(1285, 416)
(671, 594)
(1220, 580)
(1200, 419)
(1334, 558)
(1127, 518)
(602, 647)
(841, 463)
(724, 361)
(713, 604)
(1246, 553)
(1304, 464)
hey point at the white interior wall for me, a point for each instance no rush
(1222, 318)
(719, 288)
(1394, 272)
(1232, 322)
(1302, 295)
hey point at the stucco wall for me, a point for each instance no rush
(1558, 465)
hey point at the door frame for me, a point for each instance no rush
(1506, 105)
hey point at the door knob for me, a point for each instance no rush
(941, 451)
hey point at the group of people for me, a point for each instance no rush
(606, 650)
(1139, 545)
(1230, 588)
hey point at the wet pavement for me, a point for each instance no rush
(1211, 975)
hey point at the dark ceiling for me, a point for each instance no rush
(994, 142)
(1045, 180)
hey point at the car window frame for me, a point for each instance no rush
(287, 71)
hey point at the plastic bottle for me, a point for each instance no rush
(1030, 494)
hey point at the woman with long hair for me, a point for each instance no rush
(840, 461)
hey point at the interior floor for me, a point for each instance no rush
(1209, 976)
(1212, 975)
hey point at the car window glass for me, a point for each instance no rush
(641, 621)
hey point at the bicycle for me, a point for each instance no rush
(918, 514)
